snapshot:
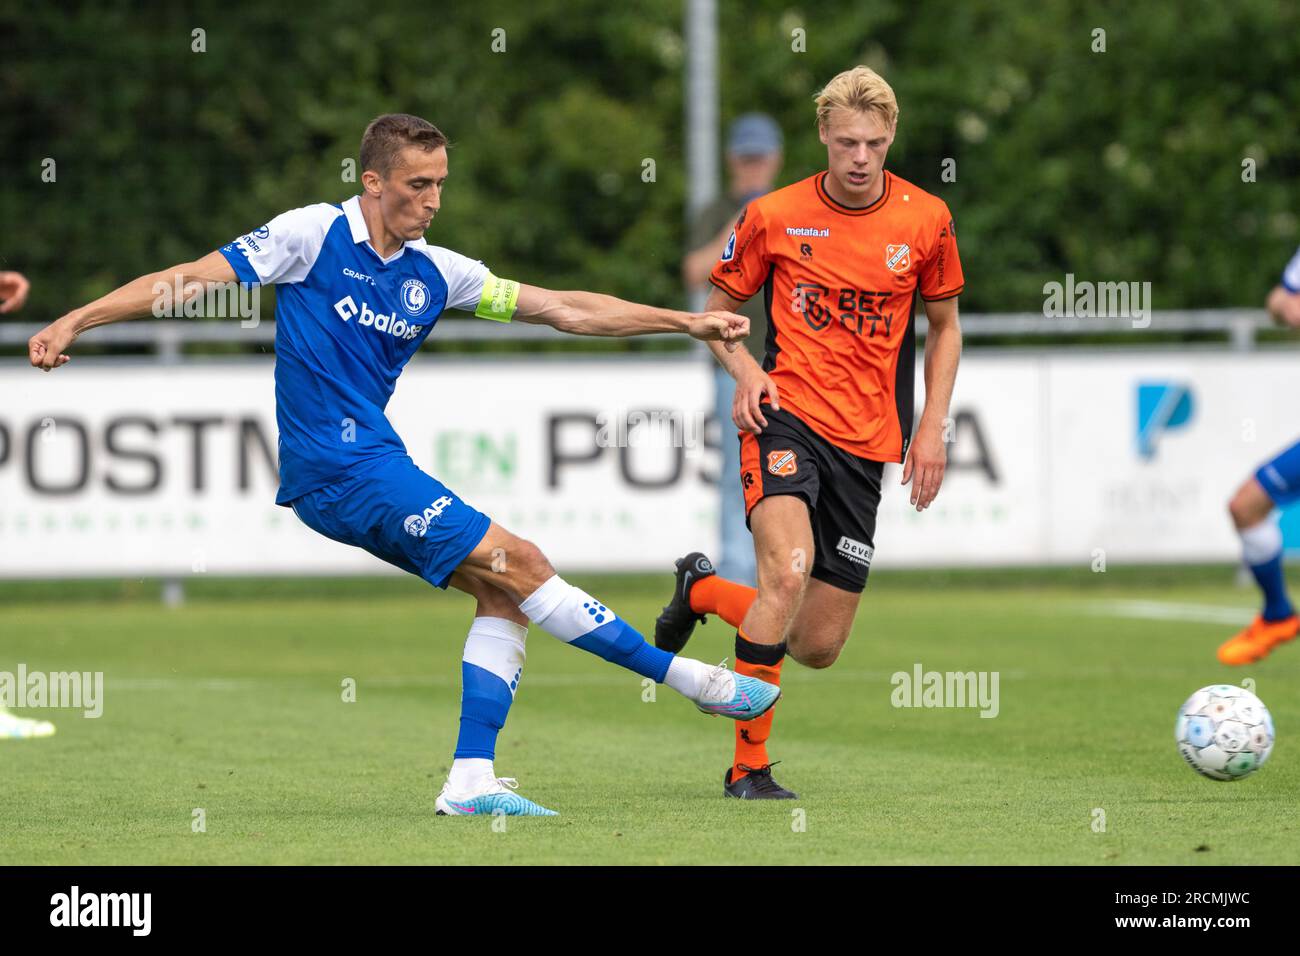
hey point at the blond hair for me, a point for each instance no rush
(861, 89)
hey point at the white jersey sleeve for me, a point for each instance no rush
(1291, 274)
(284, 250)
(464, 276)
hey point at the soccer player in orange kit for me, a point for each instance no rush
(840, 257)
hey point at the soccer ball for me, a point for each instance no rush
(1224, 732)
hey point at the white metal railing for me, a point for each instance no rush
(169, 337)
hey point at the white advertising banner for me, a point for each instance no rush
(130, 468)
(1147, 450)
(127, 468)
(1074, 457)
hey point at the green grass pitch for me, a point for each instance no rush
(232, 704)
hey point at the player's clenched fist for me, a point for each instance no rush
(727, 327)
(46, 347)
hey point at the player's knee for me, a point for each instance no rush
(1237, 509)
(493, 602)
(1246, 507)
(817, 657)
(523, 565)
(785, 590)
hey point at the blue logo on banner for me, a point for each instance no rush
(1161, 407)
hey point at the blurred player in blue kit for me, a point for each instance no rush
(1276, 484)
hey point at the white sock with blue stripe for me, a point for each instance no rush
(1261, 547)
(576, 618)
(490, 671)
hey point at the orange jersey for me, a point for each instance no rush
(840, 287)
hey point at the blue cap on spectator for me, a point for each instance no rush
(754, 134)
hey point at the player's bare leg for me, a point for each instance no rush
(1250, 505)
(1251, 509)
(806, 618)
(783, 546)
(821, 627)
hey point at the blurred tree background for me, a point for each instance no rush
(1118, 165)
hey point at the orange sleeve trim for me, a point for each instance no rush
(730, 291)
(946, 295)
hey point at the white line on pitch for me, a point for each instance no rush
(1172, 611)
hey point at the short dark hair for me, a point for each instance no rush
(388, 135)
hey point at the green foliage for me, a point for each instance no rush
(1125, 164)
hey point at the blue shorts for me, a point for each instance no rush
(1281, 477)
(397, 513)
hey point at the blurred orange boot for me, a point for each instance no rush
(1256, 641)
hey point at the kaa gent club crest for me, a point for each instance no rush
(415, 296)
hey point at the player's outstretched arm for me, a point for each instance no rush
(1284, 306)
(927, 458)
(47, 348)
(590, 313)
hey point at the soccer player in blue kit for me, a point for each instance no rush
(1275, 484)
(358, 291)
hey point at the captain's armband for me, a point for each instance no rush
(498, 299)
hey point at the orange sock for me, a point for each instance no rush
(727, 599)
(762, 661)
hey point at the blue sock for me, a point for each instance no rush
(490, 673)
(484, 703)
(621, 644)
(1261, 547)
(1277, 605)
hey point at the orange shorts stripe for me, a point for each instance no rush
(751, 472)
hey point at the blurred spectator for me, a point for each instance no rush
(13, 291)
(753, 162)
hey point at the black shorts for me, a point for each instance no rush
(842, 492)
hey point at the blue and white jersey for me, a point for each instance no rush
(1291, 274)
(347, 322)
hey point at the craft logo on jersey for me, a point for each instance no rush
(898, 257)
(417, 525)
(415, 296)
(782, 463)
